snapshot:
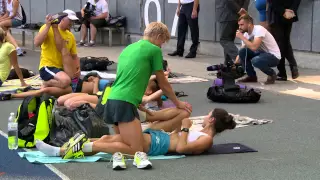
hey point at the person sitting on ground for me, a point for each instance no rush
(98, 21)
(92, 85)
(51, 64)
(11, 16)
(156, 140)
(259, 49)
(8, 58)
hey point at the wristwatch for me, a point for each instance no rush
(185, 129)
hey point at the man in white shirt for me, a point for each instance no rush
(187, 11)
(97, 21)
(259, 49)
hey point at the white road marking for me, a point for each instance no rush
(49, 166)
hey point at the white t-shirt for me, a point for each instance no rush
(186, 1)
(268, 44)
(101, 7)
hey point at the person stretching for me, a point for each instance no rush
(135, 65)
(156, 140)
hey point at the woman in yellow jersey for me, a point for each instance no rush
(8, 58)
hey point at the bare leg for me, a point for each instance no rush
(6, 24)
(68, 62)
(131, 134)
(61, 80)
(107, 144)
(11, 40)
(77, 101)
(166, 114)
(62, 99)
(93, 31)
(169, 120)
(83, 32)
(53, 91)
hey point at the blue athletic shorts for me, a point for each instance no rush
(103, 83)
(48, 73)
(160, 142)
(16, 22)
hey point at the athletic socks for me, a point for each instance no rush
(47, 149)
(87, 147)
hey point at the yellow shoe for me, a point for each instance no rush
(75, 146)
(71, 140)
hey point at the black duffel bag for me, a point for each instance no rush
(95, 63)
(67, 123)
(247, 95)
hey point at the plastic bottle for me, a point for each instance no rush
(12, 133)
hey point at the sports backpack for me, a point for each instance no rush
(241, 95)
(117, 21)
(103, 100)
(95, 63)
(34, 118)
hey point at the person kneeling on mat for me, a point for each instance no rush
(156, 140)
(259, 49)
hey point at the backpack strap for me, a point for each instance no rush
(24, 16)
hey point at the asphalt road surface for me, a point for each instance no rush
(288, 149)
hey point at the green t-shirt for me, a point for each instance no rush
(5, 64)
(135, 65)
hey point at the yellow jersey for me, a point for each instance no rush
(50, 56)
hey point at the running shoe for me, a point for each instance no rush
(74, 149)
(141, 161)
(4, 96)
(58, 17)
(118, 161)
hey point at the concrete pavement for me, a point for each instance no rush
(288, 148)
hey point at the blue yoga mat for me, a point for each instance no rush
(39, 157)
(13, 167)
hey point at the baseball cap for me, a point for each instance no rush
(71, 14)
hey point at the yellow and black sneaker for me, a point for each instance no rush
(74, 146)
(58, 17)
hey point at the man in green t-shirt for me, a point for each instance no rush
(136, 64)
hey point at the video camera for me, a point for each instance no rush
(228, 73)
(89, 11)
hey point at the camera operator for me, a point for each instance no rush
(97, 20)
(259, 49)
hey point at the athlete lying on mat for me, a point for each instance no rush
(74, 100)
(156, 140)
(91, 86)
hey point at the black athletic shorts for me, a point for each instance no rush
(98, 23)
(117, 111)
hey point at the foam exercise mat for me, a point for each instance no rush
(14, 86)
(230, 148)
(186, 79)
(39, 157)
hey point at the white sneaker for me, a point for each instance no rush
(118, 161)
(141, 161)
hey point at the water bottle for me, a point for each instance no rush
(12, 132)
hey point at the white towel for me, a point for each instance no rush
(103, 75)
